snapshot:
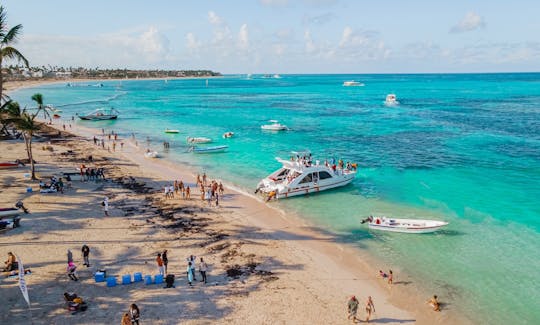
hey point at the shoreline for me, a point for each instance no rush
(353, 265)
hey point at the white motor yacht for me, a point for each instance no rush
(275, 126)
(391, 100)
(300, 177)
(411, 226)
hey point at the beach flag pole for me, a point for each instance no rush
(23, 287)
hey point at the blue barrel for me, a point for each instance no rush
(99, 277)
(111, 281)
(126, 279)
(137, 277)
(148, 279)
(158, 278)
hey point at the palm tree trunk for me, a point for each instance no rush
(28, 143)
(1, 80)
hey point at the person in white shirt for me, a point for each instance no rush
(202, 269)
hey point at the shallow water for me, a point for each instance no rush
(462, 148)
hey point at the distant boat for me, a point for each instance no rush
(198, 140)
(214, 149)
(228, 135)
(171, 131)
(248, 76)
(412, 226)
(391, 100)
(352, 83)
(56, 116)
(277, 76)
(275, 126)
(151, 154)
(100, 114)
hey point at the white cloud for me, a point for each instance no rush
(192, 43)
(279, 49)
(470, 22)
(308, 42)
(274, 3)
(154, 44)
(243, 37)
(361, 45)
(319, 19)
(214, 19)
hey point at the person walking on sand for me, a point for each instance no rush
(189, 274)
(203, 267)
(69, 256)
(390, 277)
(165, 260)
(188, 193)
(71, 271)
(192, 259)
(352, 308)
(433, 302)
(105, 205)
(370, 308)
(159, 262)
(86, 252)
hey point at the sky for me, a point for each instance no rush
(282, 36)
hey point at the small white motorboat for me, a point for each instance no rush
(391, 100)
(198, 140)
(171, 131)
(411, 226)
(100, 115)
(151, 154)
(352, 83)
(275, 126)
(214, 149)
(227, 135)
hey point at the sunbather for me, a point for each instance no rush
(11, 263)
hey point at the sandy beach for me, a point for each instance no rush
(265, 266)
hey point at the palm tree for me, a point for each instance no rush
(38, 98)
(9, 112)
(7, 37)
(28, 126)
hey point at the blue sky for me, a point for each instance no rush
(282, 36)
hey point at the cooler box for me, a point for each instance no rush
(99, 277)
(148, 279)
(28, 190)
(126, 279)
(137, 277)
(111, 281)
(158, 278)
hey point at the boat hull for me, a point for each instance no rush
(290, 192)
(98, 118)
(9, 213)
(8, 165)
(410, 226)
(210, 150)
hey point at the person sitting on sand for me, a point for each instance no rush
(433, 302)
(11, 263)
(352, 308)
(382, 274)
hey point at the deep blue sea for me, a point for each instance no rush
(464, 148)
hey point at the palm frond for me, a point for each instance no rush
(13, 53)
(12, 34)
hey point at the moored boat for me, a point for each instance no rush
(172, 131)
(301, 176)
(151, 154)
(6, 165)
(275, 126)
(100, 115)
(198, 140)
(10, 212)
(213, 149)
(352, 83)
(411, 226)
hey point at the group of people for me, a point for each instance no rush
(91, 174)
(162, 262)
(178, 188)
(389, 276)
(352, 308)
(55, 185)
(71, 268)
(211, 192)
(132, 316)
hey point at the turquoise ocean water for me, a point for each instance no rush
(464, 148)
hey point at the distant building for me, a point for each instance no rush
(62, 74)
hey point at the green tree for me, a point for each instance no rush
(9, 112)
(7, 38)
(38, 98)
(28, 126)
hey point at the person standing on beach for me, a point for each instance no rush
(352, 308)
(189, 274)
(69, 256)
(370, 307)
(433, 302)
(192, 259)
(204, 179)
(86, 252)
(203, 267)
(390, 277)
(165, 260)
(159, 262)
(105, 205)
(188, 192)
(134, 314)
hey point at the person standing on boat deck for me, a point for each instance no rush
(352, 308)
(370, 307)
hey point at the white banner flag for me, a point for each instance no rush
(22, 282)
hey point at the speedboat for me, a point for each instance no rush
(352, 83)
(171, 131)
(214, 149)
(228, 135)
(275, 126)
(411, 226)
(300, 176)
(391, 100)
(151, 154)
(198, 140)
(100, 115)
